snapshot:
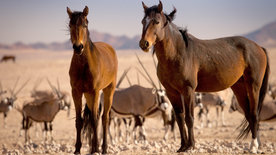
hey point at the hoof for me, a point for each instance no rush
(104, 151)
(77, 152)
(185, 148)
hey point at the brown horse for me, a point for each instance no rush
(93, 68)
(187, 64)
(7, 58)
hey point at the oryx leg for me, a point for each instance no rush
(5, 121)
(45, 131)
(127, 123)
(222, 116)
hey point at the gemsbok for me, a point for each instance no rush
(93, 68)
(206, 100)
(44, 110)
(141, 102)
(272, 90)
(187, 65)
(268, 111)
(7, 103)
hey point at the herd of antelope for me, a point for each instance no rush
(188, 69)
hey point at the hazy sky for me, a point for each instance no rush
(32, 21)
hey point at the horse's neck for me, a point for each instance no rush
(168, 48)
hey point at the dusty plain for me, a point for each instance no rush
(35, 64)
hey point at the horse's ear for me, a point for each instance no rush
(172, 14)
(144, 6)
(160, 7)
(69, 12)
(85, 11)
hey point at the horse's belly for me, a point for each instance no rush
(217, 82)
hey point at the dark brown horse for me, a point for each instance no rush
(7, 58)
(187, 64)
(93, 68)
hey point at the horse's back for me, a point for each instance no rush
(229, 58)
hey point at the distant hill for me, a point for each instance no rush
(265, 36)
(118, 42)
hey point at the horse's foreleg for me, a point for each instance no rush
(189, 116)
(109, 132)
(77, 97)
(176, 102)
(108, 98)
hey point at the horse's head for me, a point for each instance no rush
(78, 26)
(154, 23)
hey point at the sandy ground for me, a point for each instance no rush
(33, 65)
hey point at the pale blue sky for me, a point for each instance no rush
(32, 21)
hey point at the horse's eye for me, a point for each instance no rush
(143, 21)
(155, 21)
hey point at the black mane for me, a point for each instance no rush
(75, 16)
(169, 17)
(151, 9)
(185, 36)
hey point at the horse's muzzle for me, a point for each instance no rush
(144, 45)
(78, 48)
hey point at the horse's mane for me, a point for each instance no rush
(185, 36)
(169, 17)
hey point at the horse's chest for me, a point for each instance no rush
(81, 78)
(169, 78)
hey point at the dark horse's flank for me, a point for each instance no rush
(93, 68)
(187, 64)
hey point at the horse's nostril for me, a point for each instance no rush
(74, 47)
(146, 43)
(81, 46)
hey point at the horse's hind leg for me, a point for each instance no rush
(108, 98)
(248, 101)
(253, 87)
(93, 105)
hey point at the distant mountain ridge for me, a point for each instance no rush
(118, 42)
(265, 36)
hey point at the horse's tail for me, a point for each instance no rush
(264, 84)
(245, 125)
(87, 123)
